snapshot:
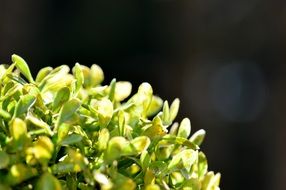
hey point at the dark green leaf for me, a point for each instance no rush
(62, 96)
(71, 139)
(25, 103)
(68, 110)
(48, 182)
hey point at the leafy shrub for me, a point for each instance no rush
(66, 131)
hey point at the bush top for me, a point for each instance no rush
(64, 130)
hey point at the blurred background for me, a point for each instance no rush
(224, 59)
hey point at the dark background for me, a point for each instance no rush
(224, 59)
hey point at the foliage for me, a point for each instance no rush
(65, 130)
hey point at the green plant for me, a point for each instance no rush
(66, 131)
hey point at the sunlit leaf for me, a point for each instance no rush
(104, 108)
(174, 109)
(115, 148)
(112, 87)
(43, 73)
(23, 67)
(122, 90)
(152, 187)
(42, 149)
(156, 129)
(202, 165)
(183, 159)
(155, 106)
(79, 77)
(103, 138)
(140, 143)
(166, 113)
(185, 128)
(18, 131)
(96, 75)
(198, 137)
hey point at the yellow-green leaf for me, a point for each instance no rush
(61, 97)
(23, 67)
(185, 128)
(174, 109)
(155, 106)
(198, 137)
(4, 159)
(140, 143)
(79, 78)
(122, 90)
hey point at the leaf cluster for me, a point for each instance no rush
(65, 130)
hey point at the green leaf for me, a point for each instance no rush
(192, 184)
(166, 114)
(24, 104)
(176, 178)
(144, 96)
(122, 182)
(155, 106)
(68, 110)
(202, 165)
(211, 181)
(39, 123)
(140, 143)
(18, 131)
(4, 187)
(152, 187)
(42, 150)
(174, 109)
(63, 131)
(4, 114)
(62, 96)
(121, 123)
(156, 129)
(103, 138)
(145, 160)
(164, 150)
(198, 137)
(4, 160)
(19, 173)
(180, 141)
(48, 182)
(104, 108)
(185, 128)
(23, 67)
(183, 160)
(112, 87)
(79, 77)
(43, 73)
(71, 139)
(96, 75)
(115, 148)
(174, 129)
